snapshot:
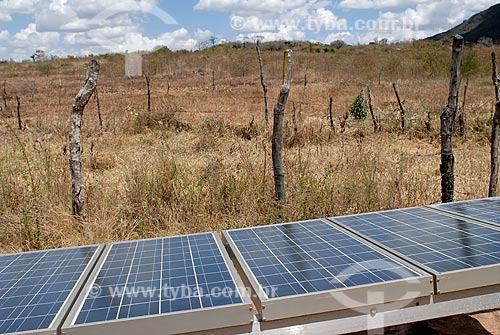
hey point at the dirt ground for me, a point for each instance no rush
(477, 324)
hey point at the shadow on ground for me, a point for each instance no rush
(454, 325)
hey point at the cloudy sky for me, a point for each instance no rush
(80, 27)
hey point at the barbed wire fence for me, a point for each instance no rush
(107, 96)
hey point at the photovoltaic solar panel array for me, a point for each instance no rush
(188, 283)
(436, 240)
(34, 286)
(307, 257)
(174, 274)
(486, 210)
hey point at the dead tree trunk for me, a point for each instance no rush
(98, 102)
(492, 192)
(75, 147)
(447, 119)
(19, 123)
(5, 97)
(148, 84)
(277, 140)
(495, 77)
(370, 106)
(401, 108)
(263, 83)
(330, 113)
(462, 118)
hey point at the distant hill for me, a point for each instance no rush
(482, 25)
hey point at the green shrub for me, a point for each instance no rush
(359, 108)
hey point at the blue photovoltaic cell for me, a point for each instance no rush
(34, 286)
(313, 256)
(160, 276)
(439, 241)
(487, 210)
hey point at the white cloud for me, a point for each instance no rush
(423, 20)
(203, 34)
(23, 43)
(31, 38)
(8, 7)
(90, 26)
(379, 4)
(276, 19)
(4, 35)
(250, 7)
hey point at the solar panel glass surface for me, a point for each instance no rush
(313, 256)
(434, 239)
(159, 276)
(34, 286)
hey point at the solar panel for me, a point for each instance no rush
(434, 240)
(486, 210)
(160, 277)
(36, 287)
(311, 257)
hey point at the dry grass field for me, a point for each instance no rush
(201, 160)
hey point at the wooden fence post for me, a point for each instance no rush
(492, 191)
(277, 140)
(213, 80)
(5, 96)
(19, 123)
(447, 119)
(75, 147)
(98, 102)
(148, 84)
(400, 106)
(263, 83)
(330, 113)
(370, 106)
(495, 75)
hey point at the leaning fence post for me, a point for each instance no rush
(19, 123)
(75, 160)
(148, 84)
(370, 106)
(98, 102)
(330, 113)
(492, 191)
(262, 82)
(447, 119)
(277, 140)
(400, 106)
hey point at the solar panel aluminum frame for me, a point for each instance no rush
(198, 320)
(437, 207)
(56, 324)
(445, 282)
(324, 301)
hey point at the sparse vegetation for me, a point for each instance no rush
(359, 108)
(201, 160)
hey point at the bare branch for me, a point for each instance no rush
(263, 83)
